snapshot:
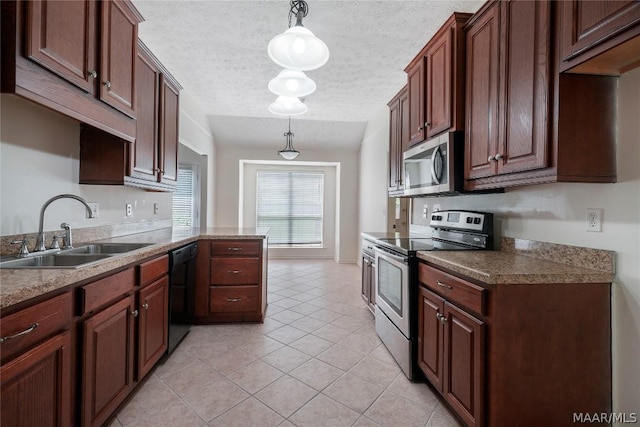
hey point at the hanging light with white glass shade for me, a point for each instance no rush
(288, 106)
(288, 152)
(298, 48)
(292, 83)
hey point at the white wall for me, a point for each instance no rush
(374, 167)
(227, 190)
(195, 133)
(39, 152)
(556, 213)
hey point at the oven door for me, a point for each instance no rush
(392, 288)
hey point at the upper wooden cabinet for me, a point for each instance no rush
(525, 122)
(599, 37)
(75, 57)
(398, 140)
(436, 83)
(151, 161)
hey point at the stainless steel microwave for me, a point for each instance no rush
(435, 166)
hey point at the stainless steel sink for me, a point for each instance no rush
(106, 248)
(73, 258)
(59, 260)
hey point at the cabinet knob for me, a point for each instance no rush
(93, 74)
(420, 128)
(427, 124)
(134, 313)
(498, 156)
(491, 158)
(156, 170)
(145, 306)
(107, 84)
(443, 320)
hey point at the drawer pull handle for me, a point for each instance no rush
(234, 299)
(234, 271)
(134, 313)
(145, 306)
(444, 285)
(19, 334)
(234, 249)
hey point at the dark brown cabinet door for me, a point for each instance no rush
(463, 364)
(481, 130)
(438, 85)
(107, 371)
(153, 324)
(61, 37)
(169, 116)
(430, 330)
(415, 86)
(144, 151)
(588, 23)
(394, 141)
(36, 386)
(525, 86)
(119, 40)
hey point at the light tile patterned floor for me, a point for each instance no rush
(315, 361)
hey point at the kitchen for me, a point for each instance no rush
(48, 153)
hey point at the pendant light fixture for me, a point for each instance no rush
(297, 48)
(288, 106)
(292, 83)
(288, 152)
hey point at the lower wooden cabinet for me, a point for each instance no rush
(231, 281)
(451, 354)
(36, 350)
(108, 365)
(153, 324)
(36, 386)
(499, 352)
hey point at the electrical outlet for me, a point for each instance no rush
(594, 219)
(425, 210)
(95, 209)
(156, 208)
(129, 209)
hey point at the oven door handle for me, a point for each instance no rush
(397, 258)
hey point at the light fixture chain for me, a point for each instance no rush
(298, 6)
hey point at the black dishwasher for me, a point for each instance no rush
(182, 280)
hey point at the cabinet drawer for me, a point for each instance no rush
(29, 326)
(234, 299)
(453, 288)
(97, 294)
(236, 247)
(235, 271)
(154, 269)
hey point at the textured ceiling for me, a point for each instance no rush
(218, 52)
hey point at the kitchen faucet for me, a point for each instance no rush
(40, 239)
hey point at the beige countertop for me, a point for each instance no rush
(18, 285)
(528, 262)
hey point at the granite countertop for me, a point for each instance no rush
(18, 285)
(528, 262)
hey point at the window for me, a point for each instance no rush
(291, 204)
(186, 198)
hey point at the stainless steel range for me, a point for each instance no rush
(396, 277)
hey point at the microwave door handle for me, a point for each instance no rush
(434, 157)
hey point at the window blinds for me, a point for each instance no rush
(291, 204)
(184, 198)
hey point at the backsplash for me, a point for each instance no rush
(83, 235)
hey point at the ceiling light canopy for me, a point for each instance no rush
(297, 48)
(288, 152)
(292, 83)
(288, 106)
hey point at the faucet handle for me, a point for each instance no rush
(67, 242)
(23, 251)
(54, 242)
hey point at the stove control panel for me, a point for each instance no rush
(463, 220)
